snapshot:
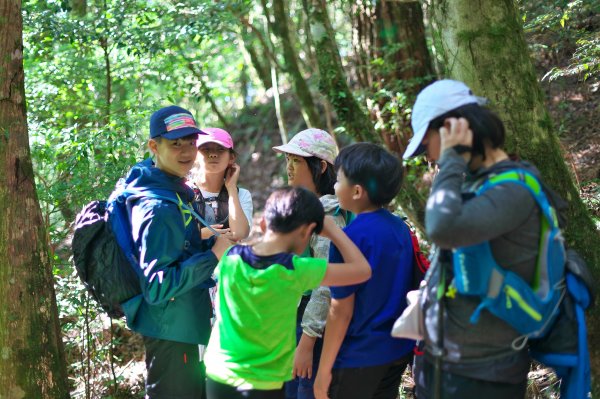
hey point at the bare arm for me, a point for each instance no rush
(340, 315)
(238, 223)
(220, 246)
(355, 268)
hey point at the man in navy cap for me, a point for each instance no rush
(173, 311)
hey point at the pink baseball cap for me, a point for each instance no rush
(215, 135)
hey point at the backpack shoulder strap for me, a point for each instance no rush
(527, 180)
(185, 209)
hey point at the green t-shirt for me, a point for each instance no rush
(253, 340)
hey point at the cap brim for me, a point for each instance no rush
(414, 143)
(201, 141)
(179, 133)
(290, 149)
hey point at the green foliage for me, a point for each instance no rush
(574, 26)
(92, 82)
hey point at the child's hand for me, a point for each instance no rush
(206, 233)
(231, 177)
(303, 358)
(329, 227)
(221, 245)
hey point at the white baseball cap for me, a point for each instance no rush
(433, 101)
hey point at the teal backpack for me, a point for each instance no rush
(541, 311)
(529, 309)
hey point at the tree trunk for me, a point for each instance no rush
(279, 27)
(274, 76)
(32, 364)
(489, 53)
(332, 79)
(400, 27)
(394, 33)
(197, 70)
(262, 70)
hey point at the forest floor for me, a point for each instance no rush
(574, 106)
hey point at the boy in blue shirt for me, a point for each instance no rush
(360, 359)
(251, 349)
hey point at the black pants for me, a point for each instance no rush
(174, 370)
(216, 390)
(377, 382)
(455, 386)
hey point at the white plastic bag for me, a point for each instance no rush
(410, 323)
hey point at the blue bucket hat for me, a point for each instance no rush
(172, 123)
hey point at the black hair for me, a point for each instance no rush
(374, 168)
(288, 208)
(324, 180)
(486, 126)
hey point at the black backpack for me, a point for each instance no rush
(104, 253)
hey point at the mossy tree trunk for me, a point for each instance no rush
(332, 79)
(32, 361)
(280, 27)
(482, 43)
(392, 57)
(262, 68)
(333, 84)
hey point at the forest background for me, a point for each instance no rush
(94, 71)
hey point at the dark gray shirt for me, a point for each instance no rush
(507, 216)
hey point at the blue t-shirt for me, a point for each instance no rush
(385, 241)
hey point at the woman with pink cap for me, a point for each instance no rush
(215, 176)
(310, 155)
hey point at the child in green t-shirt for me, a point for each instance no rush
(251, 349)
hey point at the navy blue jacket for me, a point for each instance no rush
(176, 264)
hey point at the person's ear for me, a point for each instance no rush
(306, 231)
(153, 146)
(323, 166)
(263, 225)
(358, 191)
(311, 227)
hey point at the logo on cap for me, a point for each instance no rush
(179, 121)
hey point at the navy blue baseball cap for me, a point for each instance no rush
(172, 123)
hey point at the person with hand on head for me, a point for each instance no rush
(360, 358)
(454, 129)
(227, 208)
(309, 156)
(173, 311)
(251, 350)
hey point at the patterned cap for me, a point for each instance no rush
(172, 122)
(311, 143)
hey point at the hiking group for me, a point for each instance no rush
(307, 311)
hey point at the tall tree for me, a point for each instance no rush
(279, 23)
(332, 79)
(490, 54)
(381, 27)
(32, 362)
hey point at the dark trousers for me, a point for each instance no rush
(216, 390)
(376, 382)
(174, 370)
(455, 386)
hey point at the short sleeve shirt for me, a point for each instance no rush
(252, 343)
(385, 241)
